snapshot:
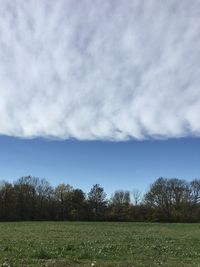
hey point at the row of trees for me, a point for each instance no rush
(168, 200)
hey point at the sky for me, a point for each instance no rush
(114, 165)
(103, 81)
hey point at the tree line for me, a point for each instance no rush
(167, 200)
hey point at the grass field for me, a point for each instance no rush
(99, 244)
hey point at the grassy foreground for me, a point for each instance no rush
(99, 244)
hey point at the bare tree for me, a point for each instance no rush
(120, 197)
(195, 191)
(97, 200)
(137, 196)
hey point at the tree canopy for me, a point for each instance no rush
(167, 200)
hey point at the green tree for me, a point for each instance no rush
(62, 194)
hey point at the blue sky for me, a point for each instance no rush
(115, 165)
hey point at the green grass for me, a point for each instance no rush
(59, 244)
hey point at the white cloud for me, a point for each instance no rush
(94, 69)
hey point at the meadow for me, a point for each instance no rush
(59, 244)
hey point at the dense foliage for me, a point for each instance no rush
(168, 200)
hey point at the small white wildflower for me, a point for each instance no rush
(93, 263)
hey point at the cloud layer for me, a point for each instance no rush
(99, 69)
